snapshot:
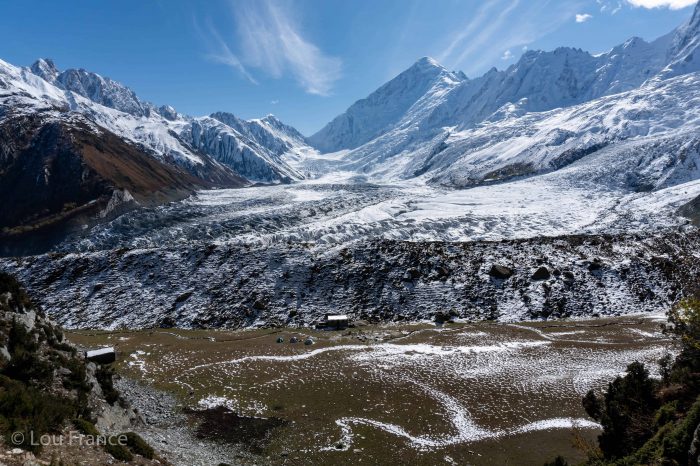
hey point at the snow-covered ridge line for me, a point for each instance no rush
(254, 149)
(397, 131)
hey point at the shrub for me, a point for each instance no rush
(684, 326)
(666, 414)
(25, 364)
(119, 452)
(626, 412)
(86, 427)
(30, 411)
(676, 445)
(138, 445)
(637, 427)
(18, 297)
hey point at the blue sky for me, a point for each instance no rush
(306, 60)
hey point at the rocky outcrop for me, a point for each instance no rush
(500, 271)
(34, 352)
(691, 210)
(542, 273)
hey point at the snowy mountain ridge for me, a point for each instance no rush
(432, 120)
(369, 118)
(162, 130)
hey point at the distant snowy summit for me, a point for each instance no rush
(252, 149)
(448, 129)
(377, 114)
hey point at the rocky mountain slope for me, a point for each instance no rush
(238, 285)
(47, 385)
(59, 174)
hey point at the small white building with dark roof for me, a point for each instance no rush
(337, 321)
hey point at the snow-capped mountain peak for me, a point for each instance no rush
(373, 116)
(252, 149)
(46, 69)
(427, 64)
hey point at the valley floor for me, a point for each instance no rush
(484, 393)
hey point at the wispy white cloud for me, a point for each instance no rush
(583, 17)
(613, 6)
(466, 32)
(507, 55)
(270, 39)
(222, 54)
(672, 4)
(504, 25)
(486, 35)
(609, 6)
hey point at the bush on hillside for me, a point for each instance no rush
(119, 452)
(626, 412)
(29, 410)
(138, 445)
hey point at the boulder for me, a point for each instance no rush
(500, 271)
(542, 273)
(595, 265)
(441, 318)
